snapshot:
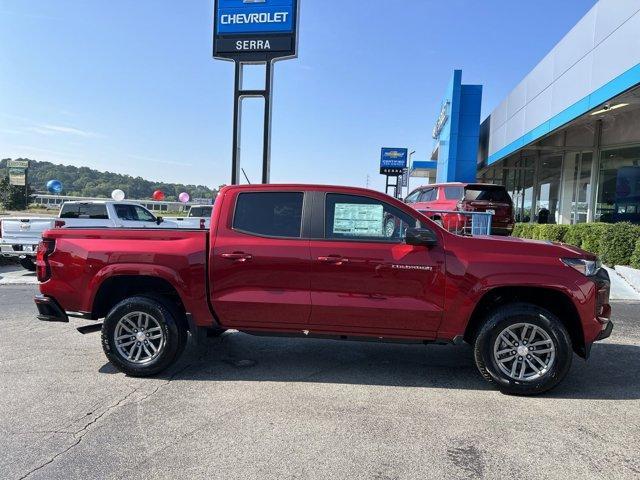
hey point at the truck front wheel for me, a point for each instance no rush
(141, 336)
(524, 349)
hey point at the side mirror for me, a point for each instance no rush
(159, 220)
(421, 237)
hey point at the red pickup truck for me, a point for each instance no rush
(317, 261)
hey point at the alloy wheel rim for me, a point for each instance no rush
(524, 352)
(139, 337)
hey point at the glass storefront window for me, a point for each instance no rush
(548, 198)
(619, 185)
(576, 187)
(582, 195)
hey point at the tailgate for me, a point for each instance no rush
(24, 231)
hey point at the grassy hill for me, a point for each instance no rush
(87, 182)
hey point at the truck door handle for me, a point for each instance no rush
(334, 259)
(237, 256)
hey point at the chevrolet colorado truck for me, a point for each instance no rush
(317, 261)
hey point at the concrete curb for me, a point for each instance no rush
(630, 275)
(620, 289)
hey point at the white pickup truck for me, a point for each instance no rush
(193, 218)
(19, 237)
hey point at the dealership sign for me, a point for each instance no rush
(442, 120)
(18, 172)
(393, 161)
(255, 30)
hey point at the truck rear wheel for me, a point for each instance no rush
(28, 264)
(141, 336)
(524, 349)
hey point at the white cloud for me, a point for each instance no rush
(55, 129)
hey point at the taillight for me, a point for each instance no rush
(43, 269)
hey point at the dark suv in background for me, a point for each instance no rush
(437, 199)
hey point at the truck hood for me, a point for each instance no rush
(539, 246)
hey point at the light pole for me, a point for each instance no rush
(409, 172)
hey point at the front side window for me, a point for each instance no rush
(273, 214)
(353, 217)
(143, 214)
(133, 213)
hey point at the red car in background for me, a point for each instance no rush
(434, 200)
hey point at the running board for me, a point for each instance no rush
(94, 327)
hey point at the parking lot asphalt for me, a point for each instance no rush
(248, 407)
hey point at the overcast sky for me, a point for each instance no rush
(129, 86)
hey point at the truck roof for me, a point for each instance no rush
(301, 186)
(100, 202)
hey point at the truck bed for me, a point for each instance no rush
(84, 257)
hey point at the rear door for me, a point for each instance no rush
(366, 279)
(260, 263)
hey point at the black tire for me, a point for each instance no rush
(28, 264)
(165, 314)
(512, 314)
(389, 227)
(215, 332)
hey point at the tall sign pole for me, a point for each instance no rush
(254, 32)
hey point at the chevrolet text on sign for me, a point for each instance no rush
(255, 30)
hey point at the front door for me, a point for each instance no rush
(260, 265)
(365, 279)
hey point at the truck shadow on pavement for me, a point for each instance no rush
(610, 374)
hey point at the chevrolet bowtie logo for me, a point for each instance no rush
(254, 1)
(394, 154)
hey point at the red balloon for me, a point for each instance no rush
(158, 195)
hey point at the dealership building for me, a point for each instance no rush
(566, 140)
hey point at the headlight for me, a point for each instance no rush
(585, 267)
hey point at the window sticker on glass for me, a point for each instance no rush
(358, 219)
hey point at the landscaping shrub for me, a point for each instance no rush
(592, 238)
(618, 243)
(551, 232)
(635, 256)
(576, 233)
(615, 243)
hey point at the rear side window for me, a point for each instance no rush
(93, 211)
(487, 194)
(428, 195)
(274, 214)
(453, 193)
